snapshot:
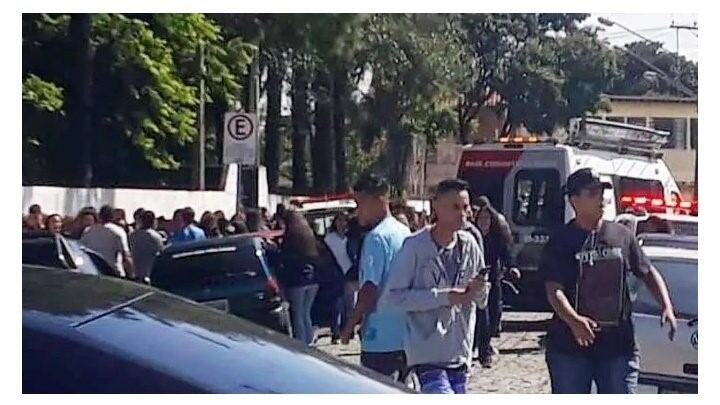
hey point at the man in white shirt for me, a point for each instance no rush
(110, 241)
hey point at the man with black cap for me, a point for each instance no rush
(585, 266)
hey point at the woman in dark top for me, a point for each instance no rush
(209, 224)
(497, 242)
(498, 248)
(300, 258)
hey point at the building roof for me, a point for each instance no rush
(653, 98)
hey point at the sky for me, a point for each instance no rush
(653, 26)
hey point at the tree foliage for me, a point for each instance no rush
(634, 81)
(364, 88)
(144, 94)
(535, 70)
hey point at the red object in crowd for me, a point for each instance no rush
(272, 287)
(658, 205)
(300, 200)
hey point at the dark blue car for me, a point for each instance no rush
(89, 334)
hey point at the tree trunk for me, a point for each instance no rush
(462, 123)
(400, 144)
(300, 127)
(272, 128)
(323, 143)
(80, 97)
(340, 95)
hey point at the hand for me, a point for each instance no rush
(477, 283)
(346, 333)
(584, 328)
(515, 273)
(669, 317)
(460, 298)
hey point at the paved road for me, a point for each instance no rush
(519, 369)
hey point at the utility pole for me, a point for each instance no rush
(201, 121)
(252, 107)
(677, 29)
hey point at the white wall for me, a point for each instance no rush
(68, 201)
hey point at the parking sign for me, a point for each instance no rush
(240, 138)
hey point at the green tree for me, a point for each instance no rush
(415, 62)
(633, 80)
(535, 70)
(144, 97)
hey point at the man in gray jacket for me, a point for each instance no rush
(438, 279)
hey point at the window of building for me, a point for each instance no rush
(639, 121)
(668, 124)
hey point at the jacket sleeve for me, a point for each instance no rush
(399, 292)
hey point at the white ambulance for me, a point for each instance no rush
(523, 178)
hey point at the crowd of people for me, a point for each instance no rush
(212, 224)
(130, 247)
(424, 293)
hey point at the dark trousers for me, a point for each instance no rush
(343, 308)
(482, 332)
(391, 364)
(495, 304)
(487, 321)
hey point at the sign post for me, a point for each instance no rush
(240, 143)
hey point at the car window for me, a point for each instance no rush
(537, 200)
(85, 264)
(207, 266)
(681, 279)
(42, 252)
(630, 186)
(100, 263)
(684, 228)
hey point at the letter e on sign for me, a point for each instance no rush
(240, 127)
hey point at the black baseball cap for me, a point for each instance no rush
(584, 179)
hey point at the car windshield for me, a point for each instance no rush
(685, 228)
(203, 266)
(680, 275)
(674, 227)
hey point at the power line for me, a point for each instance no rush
(622, 32)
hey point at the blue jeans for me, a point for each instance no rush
(442, 381)
(301, 301)
(574, 374)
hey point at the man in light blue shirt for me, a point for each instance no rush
(189, 232)
(383, 329)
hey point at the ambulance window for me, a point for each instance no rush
(537, 200)
(640, 188)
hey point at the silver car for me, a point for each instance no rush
(672, 224)
(671, 366)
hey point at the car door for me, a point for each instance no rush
(659, 356)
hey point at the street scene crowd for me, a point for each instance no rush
(424, 293)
